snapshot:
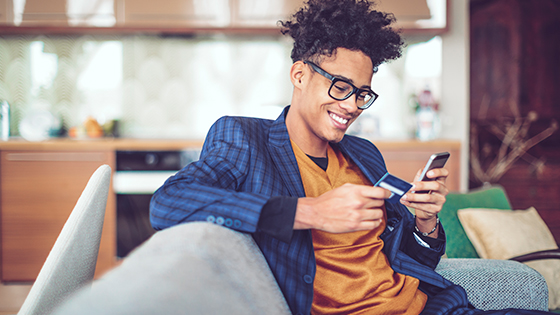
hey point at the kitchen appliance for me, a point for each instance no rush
(138, 175)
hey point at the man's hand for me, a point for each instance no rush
(347, 208)
(427, 205)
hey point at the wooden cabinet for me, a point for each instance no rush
(405, 158)
(38, 12)
(258, 13)
(207, 14)
(40, 183)
(39, 189)
(175, 13)
(187, 16)
(5, 17)
(92, 13)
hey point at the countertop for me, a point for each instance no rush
(403, 157)
(99, 144)
(114, 144)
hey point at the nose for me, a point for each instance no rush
(349, 104)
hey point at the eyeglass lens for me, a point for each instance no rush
(341, 90)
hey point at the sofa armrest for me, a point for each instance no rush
(543, 254)
(497, 284)
(192, 268)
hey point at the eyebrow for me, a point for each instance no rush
(338, 76)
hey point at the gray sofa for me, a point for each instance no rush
(203, 268)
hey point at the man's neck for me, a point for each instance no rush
(309, 144)
(311, 149)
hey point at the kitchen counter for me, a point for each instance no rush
(403, 157)
(56, 170)
(416, 144)
(111, 144)
(177, 144)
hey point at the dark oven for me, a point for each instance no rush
(138, 175)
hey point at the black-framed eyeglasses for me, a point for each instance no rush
(341, 89)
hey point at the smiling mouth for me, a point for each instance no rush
(338, 119)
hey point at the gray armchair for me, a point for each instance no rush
(202, 268)
(71, 262)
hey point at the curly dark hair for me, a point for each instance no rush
(322, 26)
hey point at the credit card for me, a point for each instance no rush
(397, 186)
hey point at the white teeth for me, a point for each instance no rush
(339, 119)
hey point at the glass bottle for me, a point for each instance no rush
(4, 121)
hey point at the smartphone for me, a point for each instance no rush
(437, 160)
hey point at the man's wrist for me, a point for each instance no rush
(426, 227)
(304, 214)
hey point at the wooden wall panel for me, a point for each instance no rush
(515, 71)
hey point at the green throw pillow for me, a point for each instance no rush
(458, 244)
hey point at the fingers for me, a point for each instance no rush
(428, 197)
(361, 197)
(426, 204)
(345, 209)
(367, 225)
(371, 192)
(373, 214)
(428, 187)
(428, 209)
(433, 192)
(367, 214)
(364, 202)
(438, 178)
(375, 192)
(435, 174)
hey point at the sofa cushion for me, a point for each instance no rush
(497, 284)
(458, 244)
(503, 234)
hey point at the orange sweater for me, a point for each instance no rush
(353, 274)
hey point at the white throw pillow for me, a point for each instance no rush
(503, 234)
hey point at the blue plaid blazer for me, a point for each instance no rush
(244, 162)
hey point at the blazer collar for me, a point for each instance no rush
(283, 156)
(372, 171)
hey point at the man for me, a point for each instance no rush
(303, 188)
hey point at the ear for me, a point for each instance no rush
(297, 73)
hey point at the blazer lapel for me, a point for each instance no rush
(283, 156)
(367, 164)
(373, 167)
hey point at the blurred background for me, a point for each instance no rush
(197, 66)
(136, 84)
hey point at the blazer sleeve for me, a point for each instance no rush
(427, 255)
(208, 189)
